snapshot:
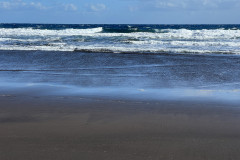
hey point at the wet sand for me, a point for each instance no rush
(73, 128)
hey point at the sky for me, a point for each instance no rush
(120, 11)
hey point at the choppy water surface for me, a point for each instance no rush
(210, 39)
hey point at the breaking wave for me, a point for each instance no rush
(45, 32)
(123, 39)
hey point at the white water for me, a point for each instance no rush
(168, 40)
(45, 32)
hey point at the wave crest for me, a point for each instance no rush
(46, 32)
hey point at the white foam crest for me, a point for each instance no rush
(118, 49)
(95, 32)
(205, 43)
(188, 43)
(199, 51)
(42, 48)
(4, 39)
(179, 34)
(26, 40)
(147, 42)
(46, 32)
(202, 34)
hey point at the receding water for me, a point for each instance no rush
(141, 76)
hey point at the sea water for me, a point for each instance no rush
(138, 61)
(218, 39)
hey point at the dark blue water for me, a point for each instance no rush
(152, 62)
(122, 28)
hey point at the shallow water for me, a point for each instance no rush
(131, 76)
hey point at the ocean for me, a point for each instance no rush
(139, 61)
(192, 39)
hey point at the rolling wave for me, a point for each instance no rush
(45, 32)
(123, 39)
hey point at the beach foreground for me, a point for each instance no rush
(119, 92)
(61, 127)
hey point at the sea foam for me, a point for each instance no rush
(46, 32)
(221, 41)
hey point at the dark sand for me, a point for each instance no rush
(74, 128)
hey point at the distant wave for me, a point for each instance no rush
(45, 32)
(120, 50)
(149, 33)
(123, 39)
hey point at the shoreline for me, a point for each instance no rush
(118, 107)
(134, 94)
